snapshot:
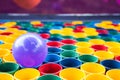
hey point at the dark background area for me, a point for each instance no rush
(64, 6)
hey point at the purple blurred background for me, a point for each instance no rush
(64, 6)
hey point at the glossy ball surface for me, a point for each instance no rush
(30, 50)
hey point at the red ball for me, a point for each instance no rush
(27, 4)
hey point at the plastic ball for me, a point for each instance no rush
(30, 50)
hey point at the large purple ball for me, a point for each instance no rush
(30, 50)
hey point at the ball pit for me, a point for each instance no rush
(76, 50)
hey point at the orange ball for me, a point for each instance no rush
(27, 4)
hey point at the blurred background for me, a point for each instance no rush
(63, 6)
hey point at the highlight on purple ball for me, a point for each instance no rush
(30, 50)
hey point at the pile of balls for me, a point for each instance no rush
(73, 50)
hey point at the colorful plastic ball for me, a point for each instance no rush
(30, 50)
